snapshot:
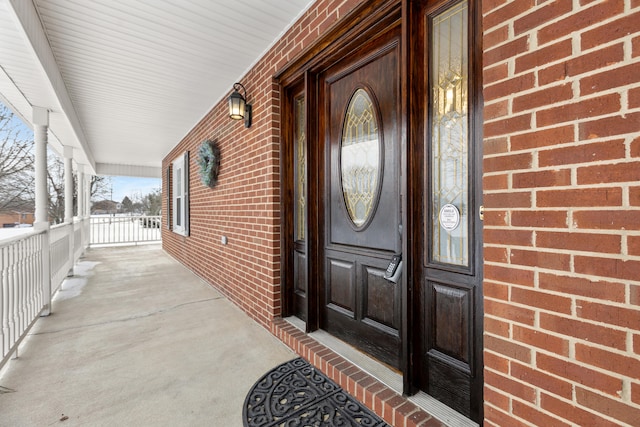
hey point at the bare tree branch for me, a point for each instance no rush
(16, 164)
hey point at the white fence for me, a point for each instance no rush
(112, 229)
(32, 267)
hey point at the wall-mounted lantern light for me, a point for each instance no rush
(238, 107)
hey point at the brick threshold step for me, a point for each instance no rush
(381, 392)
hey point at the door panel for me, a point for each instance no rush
(341, 288)
(446, 364)
(365, 325)
(451, 315)
(362, 199)
(381, 298)
(300, 283)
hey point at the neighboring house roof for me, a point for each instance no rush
(104, 205)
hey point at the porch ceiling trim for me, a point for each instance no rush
(26, 17)
(128, 170)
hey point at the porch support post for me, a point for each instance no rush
(87, 201)
(81, 191)
(68, 202)
(68, 185)
(82, 207)
(40, 128)
(87, 195)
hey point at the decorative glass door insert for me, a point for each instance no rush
(449, 137)
(360, 158)
(300, 165)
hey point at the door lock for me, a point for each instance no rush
(394, 269)
(481, 213)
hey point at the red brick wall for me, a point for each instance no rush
(562, 198)
(15, 218)
(245, 205)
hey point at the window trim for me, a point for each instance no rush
(179, 190)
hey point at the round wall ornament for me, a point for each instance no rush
(209, 162)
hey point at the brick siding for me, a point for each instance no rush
(245, 204)
(562, 197)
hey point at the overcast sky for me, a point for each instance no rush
(134, 188)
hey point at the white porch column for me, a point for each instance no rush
(87, 210)
(68, 184)
(87, 195)
(40, 121)
(40, 129)
(68, 202)
(81, 211)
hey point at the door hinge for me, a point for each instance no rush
(481, 213)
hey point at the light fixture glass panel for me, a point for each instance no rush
(449, 136)
(360, 161)
(236, 106)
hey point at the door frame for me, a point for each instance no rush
(357, 27)
(364, 21)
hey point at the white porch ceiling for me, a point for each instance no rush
(125, 80)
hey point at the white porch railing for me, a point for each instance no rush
(25, 279)
(80, 237)
(22, 291)
(60, 240)
(110, 229)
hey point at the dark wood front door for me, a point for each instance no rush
(362, 202)
(393, 132)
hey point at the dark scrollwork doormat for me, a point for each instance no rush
(297, 394)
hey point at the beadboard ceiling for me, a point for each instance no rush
(125, 80)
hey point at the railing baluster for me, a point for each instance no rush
(4, 303)
(12, 298)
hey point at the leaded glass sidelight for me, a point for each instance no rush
(449, 136)
(300, 167)
(360, 159)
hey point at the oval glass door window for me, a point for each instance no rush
(360, 158)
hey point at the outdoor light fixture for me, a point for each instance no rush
(238, 107)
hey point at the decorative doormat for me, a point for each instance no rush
(297, 394)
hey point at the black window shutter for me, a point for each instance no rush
(186, 193)
(169, 187)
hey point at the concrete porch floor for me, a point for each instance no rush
(136, 339)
